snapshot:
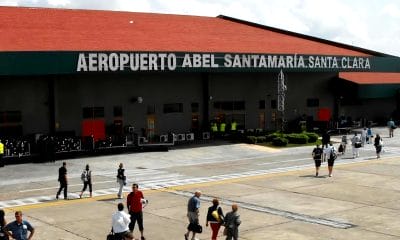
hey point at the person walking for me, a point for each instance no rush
(135, 208)
(120, 222)
(356, 145)
(232, 222)
(3, 223)
(193, 210)
(121, 179)
(86, 178)
(62, 178)
(326, 138)
(331, 159)
(370, 135)
(391, 126)
(215, 218)
(363, 136)
(19, 228)
(378, 145)
(317, 156)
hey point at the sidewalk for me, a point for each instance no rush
(361, 201)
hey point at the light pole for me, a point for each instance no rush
(281, 97)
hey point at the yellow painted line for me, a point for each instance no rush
(184, 187)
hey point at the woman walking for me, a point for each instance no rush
(378, 145)
(121, 179)
(215, 217)
(86, 177)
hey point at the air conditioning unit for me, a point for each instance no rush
(190, 136)
(206, 135)
(175, 137)
(163, 138)
(143, 140)
(241, 131)
(181, 137)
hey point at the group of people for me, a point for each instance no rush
(215, 219)
(123, 223)
(86, 178)
(328, 152)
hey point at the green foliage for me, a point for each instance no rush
(312, 137)
(280, 141)
(250, 139)
(261, 139)
(271, 136)
(297, 138)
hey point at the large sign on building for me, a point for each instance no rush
(46, 63)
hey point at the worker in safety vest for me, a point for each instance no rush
(233, 126)
(214, 127)
(1, 154)
(222, 127)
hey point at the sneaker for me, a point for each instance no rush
(57, 197)
(330, 175)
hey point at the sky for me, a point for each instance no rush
(370, 24)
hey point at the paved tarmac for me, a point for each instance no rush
(276, 190)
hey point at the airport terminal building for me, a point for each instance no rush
(100, 72)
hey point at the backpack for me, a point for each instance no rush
(85, 176)
(333, 154)
(317, 153)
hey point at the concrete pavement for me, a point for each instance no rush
(360, 201)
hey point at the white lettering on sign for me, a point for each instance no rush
(104, 62)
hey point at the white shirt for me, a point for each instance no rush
(120, 221)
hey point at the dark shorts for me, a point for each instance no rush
(136, 216)
(331, 162)
(317, 162)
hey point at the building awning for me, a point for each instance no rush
(371, 77)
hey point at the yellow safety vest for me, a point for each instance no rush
(1, 148)
(214, 127)
(222, 127)
(233, 126)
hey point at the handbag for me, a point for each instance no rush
(111, 235)
(225, 231)
(195, 227)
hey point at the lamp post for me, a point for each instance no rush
(281, 97)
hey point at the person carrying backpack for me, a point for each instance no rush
(331, 159)
(317, 156)
(86, 178)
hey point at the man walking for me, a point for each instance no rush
(62, 178)
(135, 208)
(232, 222)
(120, 222)
(19, 228)
(193, 214)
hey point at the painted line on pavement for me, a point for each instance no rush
(269, 210)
